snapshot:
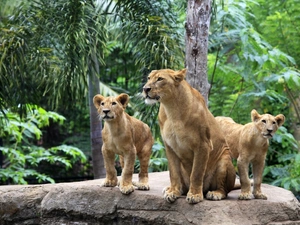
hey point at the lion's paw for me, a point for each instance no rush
(194, 198)
(165, 189)
(141, 186)
(245, 196)
(169, 195)
(260, 196)
(109, 183)
(215, 195)
(126, 189)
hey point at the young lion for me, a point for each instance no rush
(198, 156)
(249, 144)
(126, 136)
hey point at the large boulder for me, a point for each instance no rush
(86, 203)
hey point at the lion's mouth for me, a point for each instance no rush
(268, 135)
(106, 117)
(151, 100)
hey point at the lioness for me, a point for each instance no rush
(198, 157)
(249, 144)
(126, 136)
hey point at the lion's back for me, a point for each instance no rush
(232, 132)
(141, 132)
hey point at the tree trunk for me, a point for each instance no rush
(95, 126)
(197, 29)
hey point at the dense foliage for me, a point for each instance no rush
(42, 47)
(25, 156)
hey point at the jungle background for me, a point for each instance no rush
(51, 49)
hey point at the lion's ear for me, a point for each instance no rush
(280, 119)
(183, 71)
(180, 75)
(254, 115)
(97, 100)
(123, 99)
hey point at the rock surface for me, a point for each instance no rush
(86, 203)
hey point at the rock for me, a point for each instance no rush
(86, 203)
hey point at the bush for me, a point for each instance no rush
(23, 153)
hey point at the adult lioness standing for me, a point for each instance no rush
(198, 157)
(126, 136)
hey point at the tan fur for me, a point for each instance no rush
(249, 144)
(198, 157)
(126, 136)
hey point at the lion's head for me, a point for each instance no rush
(266, 123)
(160, 84)
(109, 108)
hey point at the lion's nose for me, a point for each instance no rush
(270, 130)
(146, 89)
(106, 111)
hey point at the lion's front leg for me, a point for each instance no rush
(126, 186)
(200, 160)
(174, 191)
(111, 173)
(258, 167)
(144, 157)
(243, 168)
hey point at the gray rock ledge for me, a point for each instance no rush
(86, 203)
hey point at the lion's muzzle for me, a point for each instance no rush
(105, 115)
(148, 99)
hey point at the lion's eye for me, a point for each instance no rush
(148, 78)
(113, 103)
(102, 103)
(274, 122)
(160, 78)
(264, 121)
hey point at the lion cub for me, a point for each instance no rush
(126, 136)
(249, 144)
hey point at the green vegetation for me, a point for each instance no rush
(23, 150)
(46, 56)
